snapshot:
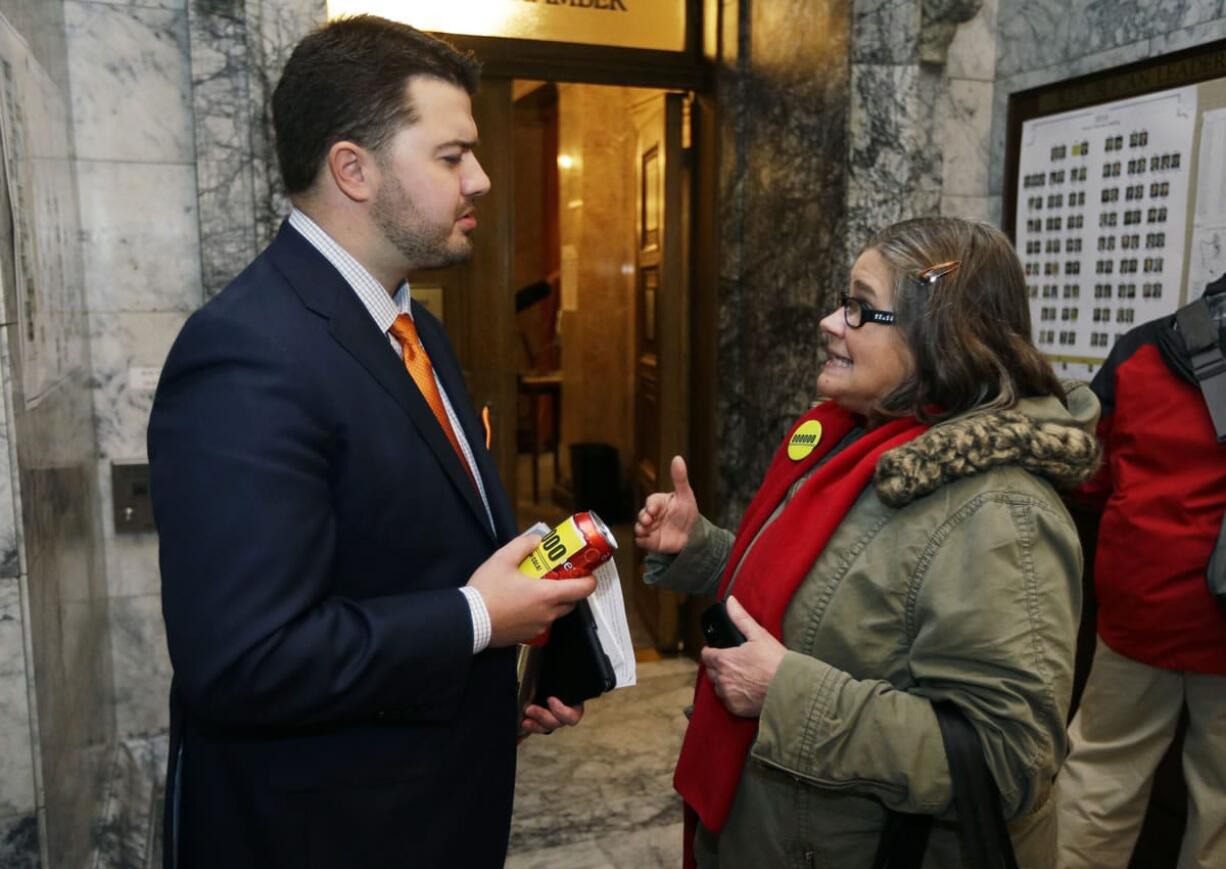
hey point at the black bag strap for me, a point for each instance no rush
(904, 839)
(981, 822)
(982, 834)
(1215, 573)
(1200, 337)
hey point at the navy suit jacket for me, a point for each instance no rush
(315, 524)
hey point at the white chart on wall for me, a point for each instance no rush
(1102, 204)
(1208, 259)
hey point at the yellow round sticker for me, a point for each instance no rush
(804, 440)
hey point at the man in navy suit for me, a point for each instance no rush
(341, 600)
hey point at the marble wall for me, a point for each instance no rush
(836, 118)
(839, 119)
(56, 721)
(177, 194)
(132, 120)
(238, 48)
(784, 84)
(1040, 42)
(930, 103)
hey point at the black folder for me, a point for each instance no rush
(571, 666)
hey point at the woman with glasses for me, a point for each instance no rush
(907, 546)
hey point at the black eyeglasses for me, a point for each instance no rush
(856, 313)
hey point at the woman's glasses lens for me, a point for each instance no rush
(852, 311)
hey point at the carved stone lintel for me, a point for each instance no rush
(938, 23)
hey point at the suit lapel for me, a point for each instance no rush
(322, 289)
(448, 369)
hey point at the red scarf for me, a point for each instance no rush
(717, 742)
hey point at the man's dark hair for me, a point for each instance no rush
(346, 81)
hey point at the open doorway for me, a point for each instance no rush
(598, 241)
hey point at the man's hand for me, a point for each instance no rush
(538, 719)
(521, 607)
(740, 675)
(664, 523)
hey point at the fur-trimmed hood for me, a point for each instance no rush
(1040, 435)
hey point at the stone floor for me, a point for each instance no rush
(600, 795)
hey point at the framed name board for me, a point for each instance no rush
(658, 25)
(1117, 206)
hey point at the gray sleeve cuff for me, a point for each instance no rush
(698, 567)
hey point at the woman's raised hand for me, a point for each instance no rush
(664, 523)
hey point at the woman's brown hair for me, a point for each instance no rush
(969, 331)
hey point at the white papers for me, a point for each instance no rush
(1208, 259)
(1101, 223)
(609, 611)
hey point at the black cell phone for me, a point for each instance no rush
(718, 628)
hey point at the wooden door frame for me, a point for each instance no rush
(600, 64)
(490, 276)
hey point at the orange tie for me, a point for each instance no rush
(422, 372)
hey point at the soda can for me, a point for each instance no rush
(579, 545)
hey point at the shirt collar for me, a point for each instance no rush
(383, 309)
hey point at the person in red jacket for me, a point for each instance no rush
(1161, 635)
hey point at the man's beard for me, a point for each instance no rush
(425, 245)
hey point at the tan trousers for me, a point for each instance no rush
(1124, 726)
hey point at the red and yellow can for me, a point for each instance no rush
(579, 545)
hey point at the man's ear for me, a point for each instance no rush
(353, 170)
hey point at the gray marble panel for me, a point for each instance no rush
(972, 54)
(882, 124)
(120, 343)
(54, 442)
(1000, 127)
(19, 841)
(10, 559)
(131, 86)
(921, 203)
(611, 777)
(73, 672)
(41, 25)
(221, 97)
(130, 830)
(274, 27)
(154, 4)
(142, 665)
(1098, 25)
(893, 127)
(868, 210)
(16, 548)
(1107, 59)
(139, 236)
(1187, 37)
(227, 222)
(885, 31)
(982, 208)
(783, 178)
(965, 136)
(1031, 34)
(16, 749)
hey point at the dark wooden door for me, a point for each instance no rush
(661, 327)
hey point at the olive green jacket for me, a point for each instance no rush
(956, 575)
